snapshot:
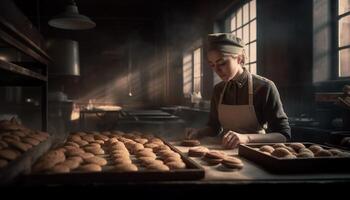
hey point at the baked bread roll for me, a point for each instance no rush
(31, 141)
(8, 154)
(176, 165)
(197, 151)
(158, 167)
(281, 152)
(126, 167)
(190, 143)
(90, 168)
(315, 148)
(96, 160)
(232, 163)
(49, 160)
(3, 163)
(267, 148)
(60, 168)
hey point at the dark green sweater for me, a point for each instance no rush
(267, 103)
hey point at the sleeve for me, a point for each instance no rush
(213, 120)
(274, 114)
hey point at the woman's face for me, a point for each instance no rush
(225, 66)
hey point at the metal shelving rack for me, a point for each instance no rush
(18, 33)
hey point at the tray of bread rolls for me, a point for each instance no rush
(19, 148)
(297, 157)
(113, 156)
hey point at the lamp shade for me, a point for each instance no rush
(65, 57)
(71, 19)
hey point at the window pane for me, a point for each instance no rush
(233, 23)
(227, 25)
(253, 68)
(246, 49)
(234, 33)
(246, 34)
(197, 63)
(187, 74)
(252, 30)
(197, 72)
(239, 33)
(252, 9)
(239, 18)
(344, 31)
(344, 62)
(252, 52)
(343, 6)
(245, 13)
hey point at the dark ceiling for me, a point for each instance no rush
(105, 9)
(120, 15)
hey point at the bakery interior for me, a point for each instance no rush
(95, 83)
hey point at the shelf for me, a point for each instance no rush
(12, 74)
(17, 33)
(29, 48)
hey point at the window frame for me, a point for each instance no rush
(223, 24)
(184, 55)
(200, 69)
(191, 51)
(335, 42)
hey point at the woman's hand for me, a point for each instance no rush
(232, 139)
(191, 133)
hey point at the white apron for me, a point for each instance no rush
(239, 118)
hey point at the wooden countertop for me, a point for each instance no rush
(252, 172)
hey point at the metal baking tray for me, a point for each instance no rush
(23, 163)
(297, 165)
(193, 172)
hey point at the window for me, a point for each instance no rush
(343, 46)
(243, 25)
(192, 72)
(187, 74)
(197, 70)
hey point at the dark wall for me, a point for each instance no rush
(133, 31)
(104, 62)
(285, 50)
(125, 32)
(184, 30)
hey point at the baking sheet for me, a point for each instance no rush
(107, 175)
(24, 162)
(298, 165)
